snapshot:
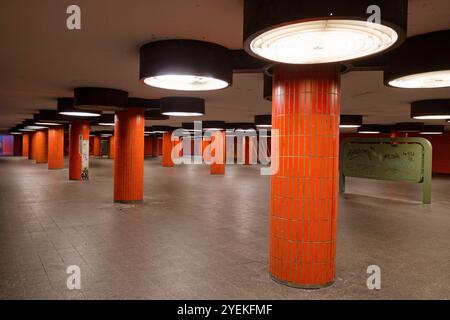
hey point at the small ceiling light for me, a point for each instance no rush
(36, 127)
(438, 109)
(187, 65)
(296, 32)
(351, 121)
(106, 120)
(406, 127)
(100, 99)
(182, 106)
(433, 130)
(214, 125)
(421, 62)
(263, 121)
(15, 131)
(155, 115)
(66, 108)
(162, 129)
(369, 129)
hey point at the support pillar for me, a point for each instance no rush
(205, 154)
(17, 145)
(41, 146)
(97, 147)
(56, 148)
(112, 147)
(167, 146)
(218, 141)
(25, 144)
(32, 146)
(155, 147)
(79, 150)
(148, 149)
(129, 155)
(160, 147)
(306, 103)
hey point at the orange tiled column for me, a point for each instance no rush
(25, 144)
(17, 145)
(97, 149)
(112, 148)
(218, 140)
(31, 146)
(148, 148)
(41, 146)
(79, 132)
(129, 155)
(205, 154)
(155, 147)
(56, 148)
(306, 103)
(167, 146)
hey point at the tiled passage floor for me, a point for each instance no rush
(199, 237)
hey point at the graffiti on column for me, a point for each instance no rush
(84, 154)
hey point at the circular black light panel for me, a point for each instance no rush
(66, 108)
(409, 127)
(421, 62)
(162, 129)
(155, 115)
(48, 118)
(263, 121)
(106, 120)
(305, 32)
(182, 107)
(433, 130)
(351, 121)
(370, 129)
(214, 125)
(438, 109)
(103, 99)
(186, 65)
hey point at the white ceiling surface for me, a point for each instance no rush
(41, 60)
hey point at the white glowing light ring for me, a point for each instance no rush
(426, 80)
(186, 83)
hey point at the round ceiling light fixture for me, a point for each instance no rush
(66, 108)
(15, 131)
(186, 65)
(263, 121)
(405, 127)
(161, 129)
(438, 109)
(106, 120)
(298, 32)
(421, 62)
(433, 130)
(182, 107)
(351, 121)
(370, 129)
(100, 99)
(155, 115)
(214, 125)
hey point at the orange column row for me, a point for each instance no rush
(79, 132)
(25, 144)
(148, 148)
(97, 147)
(56, 148)
(129, 155)
(41, 146)
(112, 148)
(306, 103)
(167, 146)
(218, 153)
(155, 147)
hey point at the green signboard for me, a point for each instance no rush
(400, 159)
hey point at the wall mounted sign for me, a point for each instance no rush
(402, 159)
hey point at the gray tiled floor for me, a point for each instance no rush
(202, 237)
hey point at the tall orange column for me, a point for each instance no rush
(41, 146)
(112, 148)
(17, 145)
(206, 155)
(167, 146)
(155, 147)
(32, 146)
(129, 155)
(306, 103)
(97, 145)
(79, 132)
(25, 144)
(56, 148)
(160, 146)
(218, 168)
(148, 148)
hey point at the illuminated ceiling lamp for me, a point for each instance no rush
(49, 118)
(241, 126)
(182, 107)
(370, 129)
(305, 32)
(214, 125)
(66, 108)
(155, 115)
(15, 131)
(433, 130)
(438, 109)
(162, 129)
(263, 121)
(106, 120)
(31, 125)
(100, 99)
(186, 65)
(421, 62)
(405, 127)
(351, 121)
